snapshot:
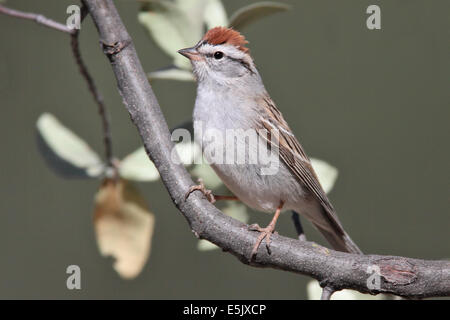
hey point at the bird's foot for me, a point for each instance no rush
(201, 187)
(266, 233)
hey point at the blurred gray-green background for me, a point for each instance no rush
(375, 104)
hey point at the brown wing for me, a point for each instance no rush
(293, 155)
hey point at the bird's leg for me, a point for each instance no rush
(207, 193)
(266, 232)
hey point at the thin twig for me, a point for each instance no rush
(326, 293)
(38, 18)
(107, 138)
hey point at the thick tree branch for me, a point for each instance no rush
(400, 276)
(38, 18)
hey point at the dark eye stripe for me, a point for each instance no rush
(243, 63)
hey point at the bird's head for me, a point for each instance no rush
(220, 55)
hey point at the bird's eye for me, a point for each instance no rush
(218, 55)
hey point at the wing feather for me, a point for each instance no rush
(293, 155)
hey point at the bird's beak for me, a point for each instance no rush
(190, 53)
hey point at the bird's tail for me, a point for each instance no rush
(338, 239)
(325, 220)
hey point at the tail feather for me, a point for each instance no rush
(325, 219)
(338, 240)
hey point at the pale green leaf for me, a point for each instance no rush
(255, 11)
(64, 151)
(205, 245)
(215, 14)
(327, 174)
(194, 11)
(171, 73)
(138, 167)
(171, 29)
(236, 210)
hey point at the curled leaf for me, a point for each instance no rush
(124, 226)
(326, 173)
(138, 167)
(65, 152)
(255, 11)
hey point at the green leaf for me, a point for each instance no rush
(205, 245)
(255, 11)
(171, 73)
(64, 151)
(171, 29)
(138, 167)
(326, 173)
(123, 226)
(194, 11)
(236, 210)
(215, 14)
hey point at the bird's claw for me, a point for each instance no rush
(254, 227)
(266, 233)
(201, 187)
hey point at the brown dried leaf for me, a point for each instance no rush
(124, 226)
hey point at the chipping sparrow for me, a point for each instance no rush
(231, 96)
